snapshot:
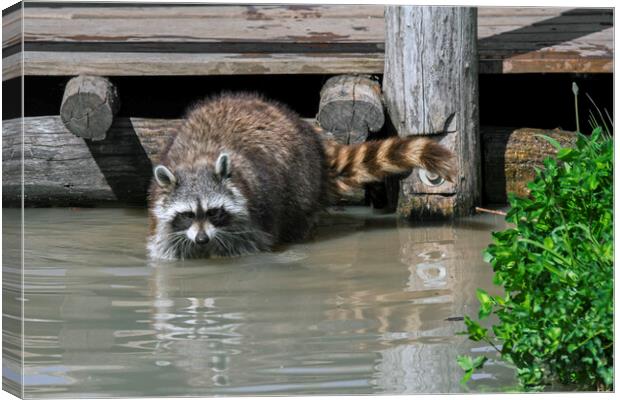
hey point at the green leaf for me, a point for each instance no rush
(479, 362)
(476, 332)
(465, 362)
(486, 303)
(483, 297)
(487, 256)
(565, 153)
(555, 266)
(466, 377)
(554, 333)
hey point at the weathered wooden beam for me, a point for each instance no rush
(431, 88)
(62, 169)
(511, 155)
(132, 40)
(251, 23)
(88, 106)
(351, 107)
(42, 63)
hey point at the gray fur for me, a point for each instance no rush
(255, 159)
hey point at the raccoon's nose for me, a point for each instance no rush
(202, 238)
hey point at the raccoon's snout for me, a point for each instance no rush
(202, 238)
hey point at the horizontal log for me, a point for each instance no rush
(62, 169)
(511, 156)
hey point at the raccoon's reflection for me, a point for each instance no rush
(191, 333)
(375, 307)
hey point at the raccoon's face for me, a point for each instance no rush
(200, 211)
(198, 224)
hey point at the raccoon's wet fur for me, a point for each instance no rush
(243, 174)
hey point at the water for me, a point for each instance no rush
(370, 305)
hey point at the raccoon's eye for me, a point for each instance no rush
(183, 221)
(218, 216)
(188, 215)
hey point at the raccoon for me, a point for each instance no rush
(243, 174)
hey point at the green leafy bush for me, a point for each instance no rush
(556, 266)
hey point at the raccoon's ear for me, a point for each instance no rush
(164, 177)
(222, 166)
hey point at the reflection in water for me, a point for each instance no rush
(369, 306)
(439, 260)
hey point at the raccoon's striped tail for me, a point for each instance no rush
(351, 166)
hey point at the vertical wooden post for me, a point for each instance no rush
(430, 86)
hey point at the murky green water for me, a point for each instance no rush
(369, 306)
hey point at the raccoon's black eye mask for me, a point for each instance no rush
(183, 221)
(216, 216)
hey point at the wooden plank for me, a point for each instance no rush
(206, 24)
(113, 64)
(602, 17)
(143, 64)
(487, 12)
(12, 28)
(547, 65)
(213, 23)
(585, 28)
(510, 39)
(535, 38)
(250, 12)
(188, 30)
(12, 66)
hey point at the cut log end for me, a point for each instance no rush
(88, 106)
(511, 157)
(351, 107)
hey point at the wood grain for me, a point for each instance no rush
(351, 107)
(431, 88)
(511, 39)
(12, 28)
(511, 156)
(133, 64)
(62, 169)
(88, 106)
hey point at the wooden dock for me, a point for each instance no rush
(125, 39)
